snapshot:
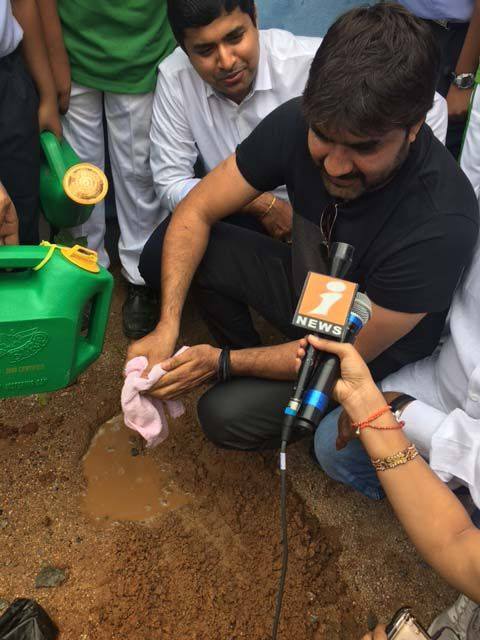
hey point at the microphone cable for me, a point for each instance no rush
(360, 315)
(284, 534)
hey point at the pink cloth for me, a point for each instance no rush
(142, 413)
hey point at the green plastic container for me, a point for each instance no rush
(42, 344)
(62, 210)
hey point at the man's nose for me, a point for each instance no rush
(337, 162)
(226, 57)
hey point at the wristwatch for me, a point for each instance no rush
(463, 80)
(399, 404)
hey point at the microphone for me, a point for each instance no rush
(327, 372)
(340, 262)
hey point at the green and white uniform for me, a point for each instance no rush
(114, 47)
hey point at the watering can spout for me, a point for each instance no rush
(69, 188)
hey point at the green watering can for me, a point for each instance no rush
(69, 189)
(43, 346)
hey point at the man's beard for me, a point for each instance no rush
(360, 184)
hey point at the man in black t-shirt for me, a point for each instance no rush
(361, 167)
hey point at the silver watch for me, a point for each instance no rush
(463, 80)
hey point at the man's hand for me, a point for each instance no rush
(157, 346)
(187, 371)
(8, 219)
(458, 101)
(346, 432)
(378, 634)
(49, 117)
(278, 221)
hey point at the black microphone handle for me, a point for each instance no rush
(315, 404)
(317, 398)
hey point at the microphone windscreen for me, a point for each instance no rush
(362, 307)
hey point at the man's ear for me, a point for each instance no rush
(255, 15)
(413, 131)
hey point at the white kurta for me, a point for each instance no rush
(445, 420)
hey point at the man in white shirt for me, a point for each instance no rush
(211, 93)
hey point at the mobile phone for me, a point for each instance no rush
(404, 627)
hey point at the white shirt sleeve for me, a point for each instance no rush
(173, 152)
(450, 441)
(437, 117)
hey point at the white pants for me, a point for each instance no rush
(470, 157)
(128, 126)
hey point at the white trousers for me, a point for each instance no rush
(128, 127)
(470, 156)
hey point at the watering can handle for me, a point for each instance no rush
(90, 347)
(53, 153)
(21, 257)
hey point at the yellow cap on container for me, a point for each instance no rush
(85, 183)
(82, 257)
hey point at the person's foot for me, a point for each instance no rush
(460, 622)
(140, 311)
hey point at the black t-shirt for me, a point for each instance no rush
(412, 237)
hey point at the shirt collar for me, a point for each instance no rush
(263, 77)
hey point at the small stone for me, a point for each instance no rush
(29, 429)
(313, 620)
(4, 604)
(134, 451)
(311, 596)
(3, 523)
(50, 577)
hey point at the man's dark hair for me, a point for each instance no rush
(187, 14)
(375, 71)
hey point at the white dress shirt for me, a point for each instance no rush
(454, 10)
(10, 31)
(191, 119)
(444, 422)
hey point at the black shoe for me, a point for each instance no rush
(140, 311)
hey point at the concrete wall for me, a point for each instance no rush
(303, 17)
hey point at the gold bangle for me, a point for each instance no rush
(396, 459)
(272, 204)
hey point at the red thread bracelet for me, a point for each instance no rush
(374, 416)
(399, 425)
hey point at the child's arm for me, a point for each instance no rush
(35, 55)
(56, 51)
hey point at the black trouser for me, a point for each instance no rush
(243, 269)
(240, 269)
(450, 41)
(19, 143)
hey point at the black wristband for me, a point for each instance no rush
(401, 401)
(224, 373)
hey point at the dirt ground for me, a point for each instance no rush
(208, 571)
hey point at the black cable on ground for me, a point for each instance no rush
(284, 532)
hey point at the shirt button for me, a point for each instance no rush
(473, 397)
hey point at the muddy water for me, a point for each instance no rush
(123, 482)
